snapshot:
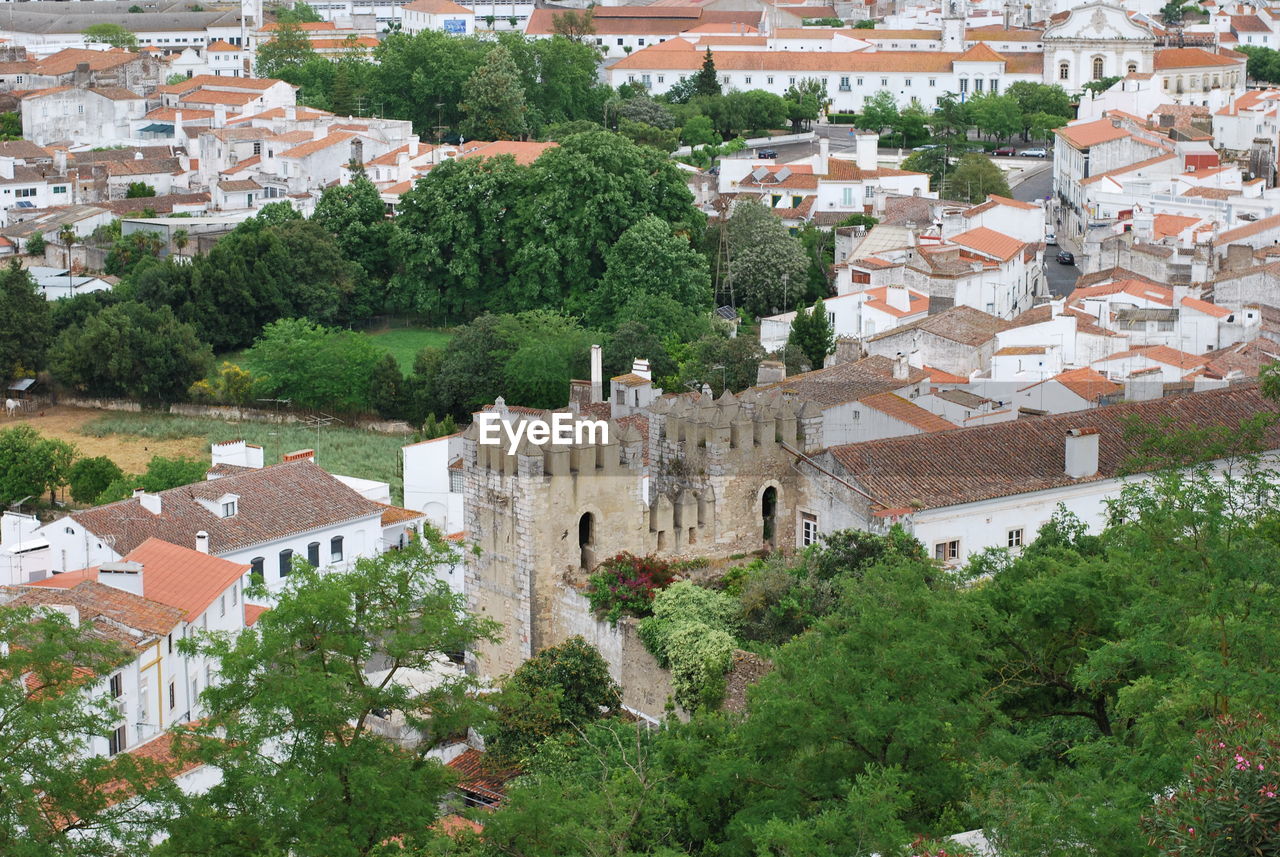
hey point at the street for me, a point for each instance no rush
(1061, 278)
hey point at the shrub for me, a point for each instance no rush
(778, 602)
(626, 584)
(690, 633)
(842, 118)
(89, 477)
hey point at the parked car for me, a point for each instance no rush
(1034, 153)
(926, 147)
(1051, 239)
(766, 153)
(1065, 258)
(1005, 152)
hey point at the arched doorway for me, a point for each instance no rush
(587, 541)
(769, 513)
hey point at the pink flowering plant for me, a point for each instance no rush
(1228, 804)
(924, 847)
(626, 584)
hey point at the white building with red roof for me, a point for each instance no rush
(854, 315)
(444, 16)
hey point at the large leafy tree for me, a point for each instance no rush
(975, 177)
(133, 350)
(24, 322)
(767, 267)
(61, 801)
(648, 265)
(494, 103)
(288, 48)
(356, 216)
(290, 724)
(31, 464)
(707, 82)
(812, 335)
(316, 366)
(997, 115)
(110, 34)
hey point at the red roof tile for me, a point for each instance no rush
(906, 411)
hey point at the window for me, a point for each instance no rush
(229, 509)
(1131, 68)
(796, 201)
(335, 549)
(116, 685)
(792, 81)
(173, 695)
(619, 42)
(774, 199)
(1097, 68)
(725, 79)
(995, 86)
(257, 148)
(1164, 326)
(80, 109)
(869, 191)
(661, 79)
(25, 192)
(933, 81)
(884, 81)
(808, 529)
(964, 84)
(641, 42)
(235, 594)
(1015, 538)
(906, 82)
(844, 84)
(947, 550)
(313, 554)
(455, 481)
(286, 562)
(977, 84)
(19, 79)
(1064, 71)
(847, 198)
(859, 81)
(645, 79)
(60, 189)
(747, 78)
(222, 605)
(116, 741)
(170, 644)
(255, 569)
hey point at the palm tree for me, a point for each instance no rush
(67, 237)
(180, 239)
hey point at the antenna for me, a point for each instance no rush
(318, 422)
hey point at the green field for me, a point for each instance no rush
(350, 452)
(403, 343)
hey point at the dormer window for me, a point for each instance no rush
(229, 509)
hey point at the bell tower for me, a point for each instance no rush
(953, 26)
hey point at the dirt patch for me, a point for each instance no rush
(130, 453)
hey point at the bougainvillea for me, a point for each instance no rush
(1228, 802)
(625, 585)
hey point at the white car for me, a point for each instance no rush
(1034, 153)
(1051, 239)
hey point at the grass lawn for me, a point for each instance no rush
(402, 342)
(350, 452)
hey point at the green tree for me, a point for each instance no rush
(879, 112)
(180, 239)
(707, 82)
(164, 473)
(289, 47)
(356, 216)
(138, 190)
(766, 265)
(34, 245)
(277, 214)
(89, 477)
(1040, 126)
(1263, 64)
(573, 24)
(1097, 87)
(494, 102)
(299, 13)
(31, 464)
(316, 366)
(811, 333)
(131, 349)
(933, 162)
(131, 251)
(865, 24)
(110, 34)
(997, 115)
(562, 688)
(911, 126)
(720, 361)
(648, 260)
(61, 798)
(644, 109)
(10, 125)
(290, 724)
(1035, 98)
(386, 388)
(24, 322)
(974, 178)
(698, 131)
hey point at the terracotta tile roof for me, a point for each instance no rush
(850, 61)
(962, 324)
(997, 33)
(906, 411)
(631, 379)
(1206, 307)
(845, 170)
(993, 201)
(938, 376)
(989, 243)
(1135, 288)
(177, 576)
(397, 514)
(1086, 134)
(252, 613)
(41, 93)
(65, 61)
(320, 145)
(1089, 384)
(1159, 354)
(1248, 230)
(1021, 350)
(259, 84)
(720, 29)
(170, 114)
(345, 42)
(524, 152)
(437, 7)
(1175, 58)
(275, 502)
(1085, 323)
(452, 825)
(1129, 168)
(221, 47)
(980, 52)
(475, 776)
(878, 298)
(1171, 225)
(846, 382)
(215, 96)
(942, 469)
(238, 185)
(96, 601)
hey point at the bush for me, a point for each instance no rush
(626, 584)
(778, 602)
(690, 633)
(842, 118)
(90, 477)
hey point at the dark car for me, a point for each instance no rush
(766, 153)
(1005, 152)
(1065, 258)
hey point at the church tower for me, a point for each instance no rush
(953, 26)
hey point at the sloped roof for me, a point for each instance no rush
(962, 324)
(1086, 134)
(989, 242)
(846, 382)
(1175, 58)
(940, 469)
(95, 601)
(275, 502)
(980, 52)
(906, 411)
(1159, 354)
(1248, 230)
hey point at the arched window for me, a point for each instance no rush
(1097, 68)
(255, 569)
(1132, 68)
(1064, 71)
(313, 554)
(335, 549)
(587, 541)
(769, 512)
(286, 562)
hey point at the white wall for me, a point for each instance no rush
(427, 482)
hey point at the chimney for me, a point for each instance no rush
(125, 576)
(202, 542)
(1081, 453)
(901, 367)
(60, 161)
(150, 502)
(579, 394)
(299, 455)
(867, 157)
(898, 297)
(597, 374)
(68, 610)
(219, 115)
(641, 368)
(6, 166)
(771, 372)
(413, 146)
(824, 155)
(319, 133)
(1239, 257)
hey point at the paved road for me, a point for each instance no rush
(1062, 278)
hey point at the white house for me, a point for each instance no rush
(1074, 390)
(854, 315)
(443, 16)
(1096, 40)
(1153, 363)
(433, 481)
(97, 115)
(155, 596)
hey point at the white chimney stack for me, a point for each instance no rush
(125, 576)
(597, 374)
(824, 154)
(202, 542)
(1081, 453)
(150, 502)
(868, 142)
(901, 367)
(898, 297)
(641, 368)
